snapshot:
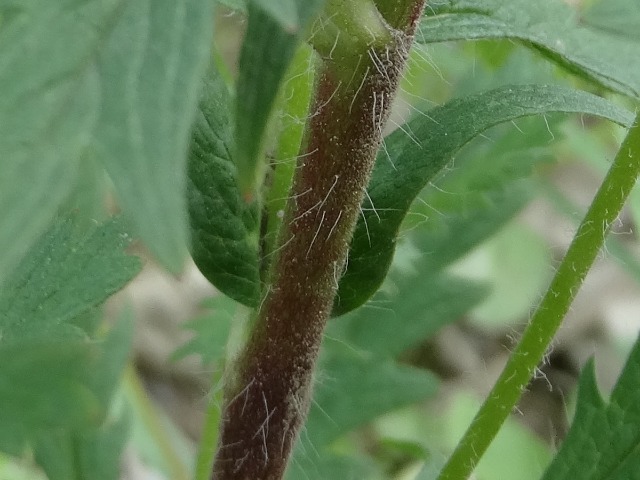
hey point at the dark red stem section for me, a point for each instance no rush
(268, 392)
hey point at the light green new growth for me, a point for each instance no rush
(537, 337)
(346, 30)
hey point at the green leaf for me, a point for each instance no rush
(48, 110)
(604, 437)
(50, 287)
(550, 26)
(224, 229)
(617, 17)
(149, 99)
(516, 264)
(93, 454)
(267, 50)
(79, 377)
(415, 308)
(310, 464)
(211, 332)
(408, 163)
(372, 385)
(42, 348)
(59, 368)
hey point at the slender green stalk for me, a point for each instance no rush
(213, 415)
(295, 99)
(151, 418)
(537, 337)
(209, 439)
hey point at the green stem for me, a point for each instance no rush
(210, 432)
(546, 320)
(209, 438)
(152, 421)
(295, 99)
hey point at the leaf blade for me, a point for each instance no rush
(224, 229)
(551, 26)
(395, 184)
(48, 110)
(603, 439)
(149, 100)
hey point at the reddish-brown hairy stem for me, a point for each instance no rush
(267, 394)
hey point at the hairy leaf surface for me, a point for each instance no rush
(224, 229)
(410, 162)
(550, 26)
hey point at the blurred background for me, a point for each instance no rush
(430, 344)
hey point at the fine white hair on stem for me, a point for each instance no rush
(378, 64)
(335, 44)
(424, 202)
(326, 102)
(335, 224)
(292, 197)
(237, 465)
(441, 190)
(306, 212)
(383, 144)
(244, 391)
(355, 95)
(416, 96)
(313, 240)
(320, 24)
(356, 69)
(324, 200)
(406, 231)
(273, 252)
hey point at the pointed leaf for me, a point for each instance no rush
(604, 438)
(224, 229)
(551, 26)
(149, 100)
(413, 161)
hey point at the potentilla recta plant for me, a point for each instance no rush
(289, 195)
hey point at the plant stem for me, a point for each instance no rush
(152, 420)
(537, 337)
(268, 392)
